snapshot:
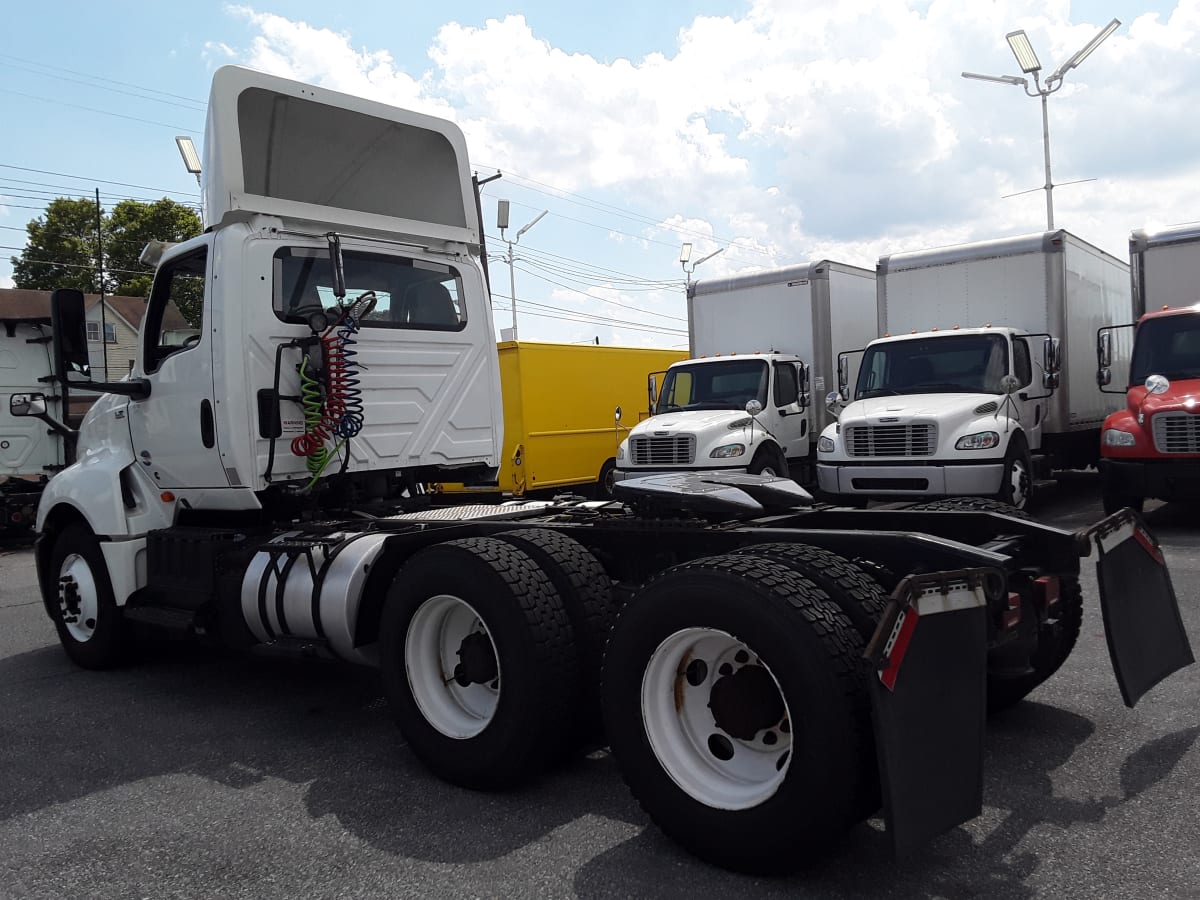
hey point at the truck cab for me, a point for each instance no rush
(1151, 447)
(738, 413)
(940, 413)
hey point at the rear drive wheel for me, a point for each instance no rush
(735, 705)
(855, 593)
(1016, 481)
(1055, 642)
(89, 623)
(586, 594)
(478, 662)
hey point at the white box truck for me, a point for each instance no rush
(769, 339)
(985, 376)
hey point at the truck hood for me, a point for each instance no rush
(689, 420)
(1181, 396)
(901, 409)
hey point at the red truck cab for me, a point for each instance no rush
(1151, 448)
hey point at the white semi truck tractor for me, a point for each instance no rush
(983, 379)
(777, 671)
(768, 341)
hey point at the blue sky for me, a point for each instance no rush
(775, 131)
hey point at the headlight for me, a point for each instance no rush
(826, 445)
(1115, 437)
(620, 451)
(726, 451)
(980, 440)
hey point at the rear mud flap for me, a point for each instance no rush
(929, 702)
(1146, 638)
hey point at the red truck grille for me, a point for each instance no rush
(914, 439)
(678, 449)
(1177, 433)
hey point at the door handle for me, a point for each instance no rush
(208, 431)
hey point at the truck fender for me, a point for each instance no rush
(95, 478)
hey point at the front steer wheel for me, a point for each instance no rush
(736, 708)
(478, 662)
(89, 623)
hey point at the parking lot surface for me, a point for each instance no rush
(196, 774)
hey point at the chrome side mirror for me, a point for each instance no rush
(1104, 377)
(1104, 349)
(835, 403)
(652, 392)
(843, 374)
(27, 405)
(1052, 355)
(617, 415)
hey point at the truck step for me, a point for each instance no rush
(165, 617)
(1040, 484)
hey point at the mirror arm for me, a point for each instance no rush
(136, 388)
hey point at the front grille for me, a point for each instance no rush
(1177, 433)
(677, 449)
(914, 439)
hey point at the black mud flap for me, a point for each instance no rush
(1146, 637)
(929, 702)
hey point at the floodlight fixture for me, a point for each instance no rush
(685, 253)
(187, 149)
(1023, 50)
(1084, 53)
(999, 79)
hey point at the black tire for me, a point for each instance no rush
(814, 655)
(767, 461)
(856, 594)
(1054, 646)
(1018, 470)
(97, 641)
(1115, 500)
(973, 504)
(605, 482)
(534, 650)
(586, 594)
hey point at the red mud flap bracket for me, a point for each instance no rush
(1146, 638)
(929, 702)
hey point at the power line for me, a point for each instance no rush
(102, 112)
(102, 87)
(99, 78)
(143, 187)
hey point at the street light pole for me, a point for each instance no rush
(1027, 59)
(685, 254)
(502, 224)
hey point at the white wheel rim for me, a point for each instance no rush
(80, 611)
(431, 654)
(1019, 484)
(683, 730)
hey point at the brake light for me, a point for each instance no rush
(1012, 616)
(1049, 591)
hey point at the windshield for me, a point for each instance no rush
(969, 363)
(1169, 346)
(723, 385)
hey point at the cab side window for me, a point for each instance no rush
(787, 385)
(175, 310)
(1022, 364)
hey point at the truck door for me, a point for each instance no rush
(173, 430)
(790, 424)
(1031, 398)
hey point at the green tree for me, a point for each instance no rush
(130, 227)
(61, 249)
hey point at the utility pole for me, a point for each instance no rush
(100, 265)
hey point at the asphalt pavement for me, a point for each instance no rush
(196, 774)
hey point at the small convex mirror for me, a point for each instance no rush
(1157, 384)
(27, 405)
(753, 407)
(1009, 384)
(617, 414)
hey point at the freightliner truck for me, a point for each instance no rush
(983, 378)
(1151, 447)
(765, 671)
(769, 339)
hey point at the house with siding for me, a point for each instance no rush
(112, 326)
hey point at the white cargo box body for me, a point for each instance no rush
(811, 311)
(28, 448)
(1046, 283)
(1165, 267)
